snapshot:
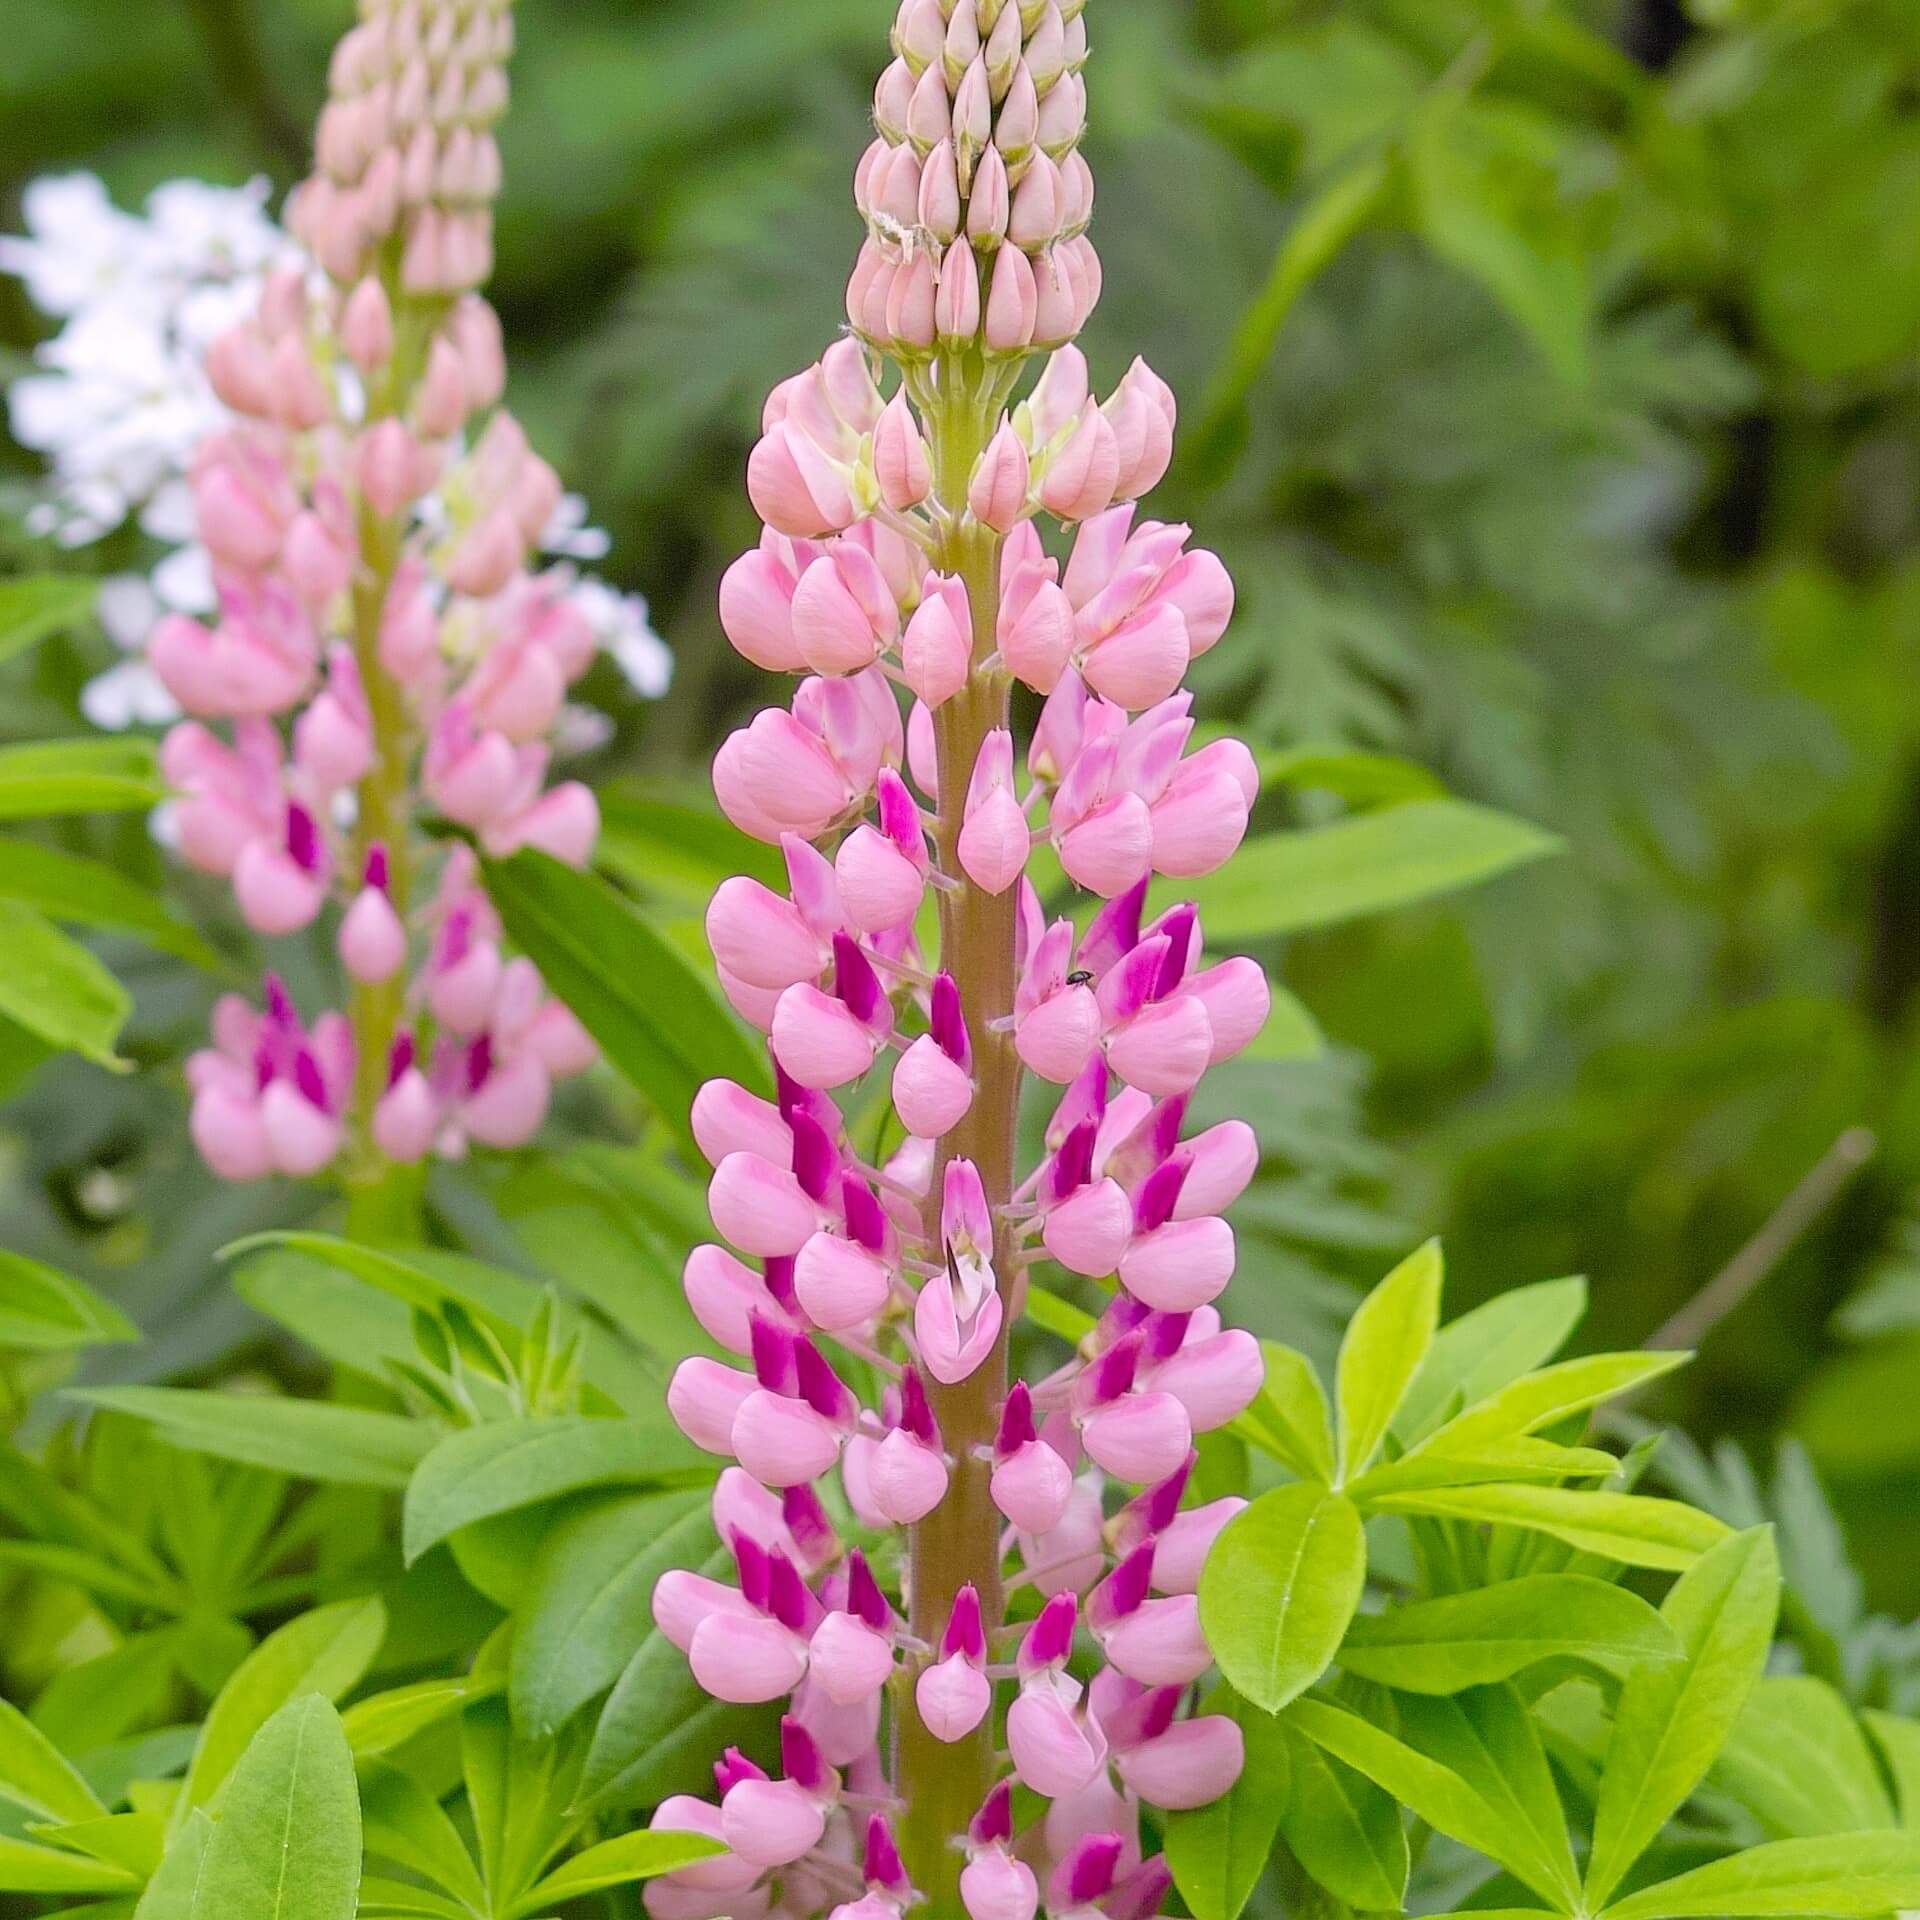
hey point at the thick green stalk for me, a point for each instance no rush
(383, 1200)
(959, 1542)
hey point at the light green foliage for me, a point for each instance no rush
(1279, 1588)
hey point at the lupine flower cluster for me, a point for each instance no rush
(1044, 1631)
(371, 658)
(119, 403)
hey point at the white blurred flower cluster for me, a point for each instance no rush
(121, 400)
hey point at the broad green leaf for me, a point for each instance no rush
(1386, 1342)
(401, 1821)
(1521, 1458)
(1433, 1790)
(659, 1020)
(26, 1867)
(659, 1730)
(1537, 1400)
(57, 991)
(310, 1438)
(36, 1775)
(324, 1652)
(384, 1721)
(78, 776)
(1798, 1761)
(588, 1603)
(173, 1892)
(614, 1863)
(1673, 1719)
(69, 888)
(1484, 1735)
(1345, 1831)
(1218, 1852)
(1360, 779)
(666, 847)
(1632, 1528)
(36, 606)
(286, 1841)
(1279, 1589)
(1849, 1876)
(1289, 1418)
(1486, 1348)
(1899, 1741)
(133, 1842)
(49, 1311)
(1370, 863)
(483, 1471)
(1471, 1639)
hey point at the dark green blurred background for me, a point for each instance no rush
(1548, 374)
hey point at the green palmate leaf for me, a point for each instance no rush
(1634, 1529)
(57, 991)
(588, 1607)
(1798, 1761)
(495, 1469)
(1484, 1735)
(36, 606)
(78, 776)
(286, 1843)
(1673, 1719)
(349, 1445)
(1471, 1639)
(1539, 1399)
(1431, 1788)
(135, 1841)
(324, 1652)
(1279, 1589)
(48, 1311)
(1218, 1852)
(1345, 1831)
(614, 1863)
(35, 1774)
(174, 1889)
(1287, 882)
(657, 1017)
(26, 1867)
(1850, 1876)
(1386, 1342)
(1483, 1350)
(388, 1720)
(403, 1822)
(1898, 1739)
(1289, 1418)
(1522, 1458)
(88, 893)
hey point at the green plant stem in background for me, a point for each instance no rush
(958, 1544)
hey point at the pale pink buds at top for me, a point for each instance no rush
(997, 493)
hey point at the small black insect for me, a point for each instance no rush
(1080, 977)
